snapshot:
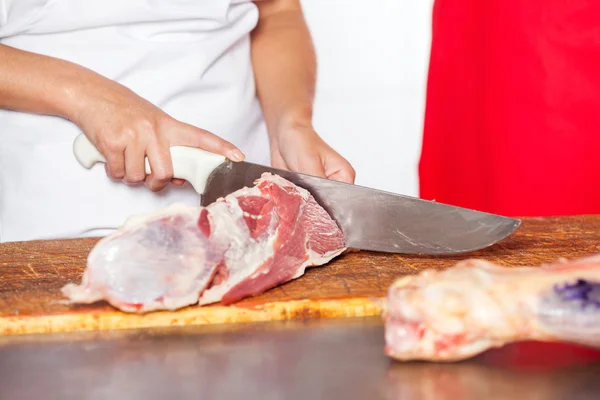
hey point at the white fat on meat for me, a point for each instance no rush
(245, 254)
(154, 261)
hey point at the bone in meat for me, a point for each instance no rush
(476, 305)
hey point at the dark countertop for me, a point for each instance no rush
(325, 359)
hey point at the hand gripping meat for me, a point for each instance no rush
(456, 313)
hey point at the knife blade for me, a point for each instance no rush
(370, 219)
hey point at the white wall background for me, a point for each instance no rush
(373, 57)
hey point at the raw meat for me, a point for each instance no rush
(457, 313)
(277, 230)
(155, 261)
(242, 245)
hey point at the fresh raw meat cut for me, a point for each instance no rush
(242, 245)
(155, 261)
(459, 312)
(276, 230)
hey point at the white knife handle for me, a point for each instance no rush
(189, 163)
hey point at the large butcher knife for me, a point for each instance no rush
(370, 219)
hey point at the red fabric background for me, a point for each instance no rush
(512, 122)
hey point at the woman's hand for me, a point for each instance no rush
(126, 129)
(284, 62)
(300, 149)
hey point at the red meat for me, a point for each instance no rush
(242, 245)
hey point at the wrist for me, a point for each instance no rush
(84, 91)
(75, 87)
(69, 105)
(294, 118)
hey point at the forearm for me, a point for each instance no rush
(39, 84)
(284, 65)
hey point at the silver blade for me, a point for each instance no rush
(377, 220)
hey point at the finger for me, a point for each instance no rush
(188, 135)
(135, 164)
(346, 175)
(312, 164)
(161, 165)
(178, 182)
(115, 164)
(337, 168)
(277, 161)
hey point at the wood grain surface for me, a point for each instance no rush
(32, 273)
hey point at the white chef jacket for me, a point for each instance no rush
(191, 58)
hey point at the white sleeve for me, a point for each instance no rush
(3, 14)
(17, 16)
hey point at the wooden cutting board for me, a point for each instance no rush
(32, 273)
